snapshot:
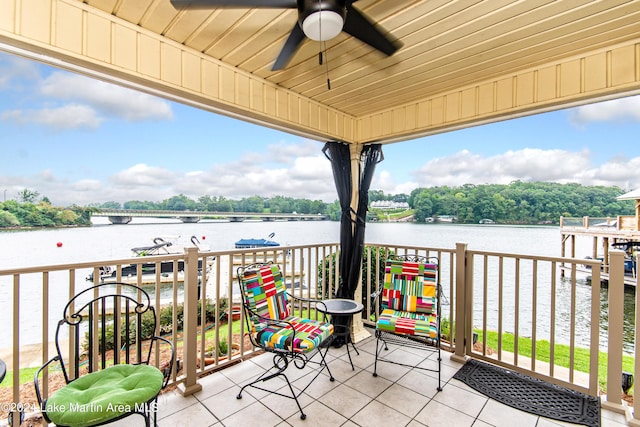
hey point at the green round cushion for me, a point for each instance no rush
(104, 395)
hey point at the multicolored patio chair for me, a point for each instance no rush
(410, 309)
(274, 328)
(107, 374)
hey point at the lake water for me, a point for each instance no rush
(105, 241)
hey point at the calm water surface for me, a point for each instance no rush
(104, 241)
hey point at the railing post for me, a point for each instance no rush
(190, 331)
(636, 367)
(461, 313)
(615, 328)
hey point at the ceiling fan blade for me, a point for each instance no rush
(361, 27)
(290, 47)
(229, 4)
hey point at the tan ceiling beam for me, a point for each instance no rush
(605, 73)
(73, 35)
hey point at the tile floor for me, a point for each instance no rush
(355, 398)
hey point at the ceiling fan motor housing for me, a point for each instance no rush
(311, 20)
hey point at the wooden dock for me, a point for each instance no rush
(621, 232)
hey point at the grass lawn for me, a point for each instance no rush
(582, 356)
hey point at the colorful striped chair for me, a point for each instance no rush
(410, 308)
(274, 328)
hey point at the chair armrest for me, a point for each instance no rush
(309, 300)
(37, 374)
(166, 370)
(375, 295)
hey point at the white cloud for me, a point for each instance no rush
(111, 100)
(14, 69)
(383, 180)
(306, 177)
(142, 175)
(623, 109)
(65, 100)
(528, 164)
(70, 116)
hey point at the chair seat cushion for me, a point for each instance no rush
(408, 323)
(308, 334)
(104, 395)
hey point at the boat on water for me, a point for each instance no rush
(257, 243)
(630, 248)
(148, 269)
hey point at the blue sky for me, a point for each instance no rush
(79, 140)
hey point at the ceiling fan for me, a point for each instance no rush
(318, 20)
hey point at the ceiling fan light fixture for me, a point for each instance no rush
(322, 25)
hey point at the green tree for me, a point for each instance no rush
(28, 196)
(111, 205)
(7, 219)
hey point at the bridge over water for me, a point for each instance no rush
(124, 216)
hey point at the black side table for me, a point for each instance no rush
(342, 308)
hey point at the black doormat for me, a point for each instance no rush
(530, 394)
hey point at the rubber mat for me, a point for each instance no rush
(530, 394)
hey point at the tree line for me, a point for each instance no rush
(276, 204)
(519, 202)
(514, 203)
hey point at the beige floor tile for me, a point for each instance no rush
(255, 415)
(213, 384)
(377, 414)
(224, 404)
(367, 384)
(195, 415)
(500, 415)
(436, 414)
(246, 371)
(321, 386)
(391, 371)
(417, 381)
(403, 400)
(345, 400)
(172, 401)
(317, 415)
(466, 402)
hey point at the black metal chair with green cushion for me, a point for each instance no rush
(108, 375)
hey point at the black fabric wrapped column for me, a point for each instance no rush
(352, 223)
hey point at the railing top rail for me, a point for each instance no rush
(155, 258)
(585, 261)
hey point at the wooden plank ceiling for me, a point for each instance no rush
(446, 44)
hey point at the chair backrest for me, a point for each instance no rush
(105, 325)
(264, 293)
(411, 284)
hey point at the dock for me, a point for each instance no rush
(620, 232)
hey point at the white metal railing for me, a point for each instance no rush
(515, 296)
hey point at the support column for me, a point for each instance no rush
(358, 332)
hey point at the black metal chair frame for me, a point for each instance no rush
(88, 313)
(282, 357)
(411, 341)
